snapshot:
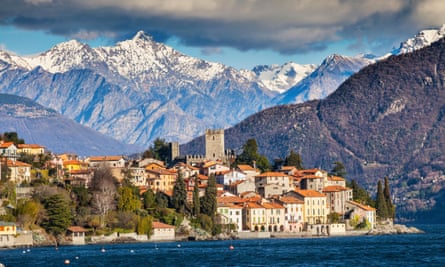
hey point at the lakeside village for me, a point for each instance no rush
(51, 199)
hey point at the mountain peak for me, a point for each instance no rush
(420, 40)
(141, 35)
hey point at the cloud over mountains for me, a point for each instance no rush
(287, 26)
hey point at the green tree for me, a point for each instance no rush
(294, 159)
(28, 212)
(387, 194)
(250, 155)
(179, 197)
(161, 200)
(12, 137)
(196, 200)
(159, 150)
(127, 200)
(338, 169)
(149, 199)
(360, 194)
(59, 215)
(382, 210)
(144, 226)
(208, 203)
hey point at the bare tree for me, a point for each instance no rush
(103, 187)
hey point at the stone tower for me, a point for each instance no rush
(215, 144)
(173, 151)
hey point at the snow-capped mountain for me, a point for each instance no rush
(420, 40)
(324, 80)
(135, 91)
(280, 78)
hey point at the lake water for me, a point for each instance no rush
(392, 250)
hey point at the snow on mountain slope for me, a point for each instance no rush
(135, 91)
(420, 40)
(333, 71)
(280, 78)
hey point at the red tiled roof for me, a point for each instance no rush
(76, 229)
(335, 178)
(17, 163)
(334, 188)
(158, 225)
(29, 146)
(272, 174)
(364, 207)
(309, 193)
(105, 158)
(291, 200)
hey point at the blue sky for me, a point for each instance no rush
(238, 33)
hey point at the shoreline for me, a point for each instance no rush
(382, 229)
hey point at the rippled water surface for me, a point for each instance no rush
(397, 250)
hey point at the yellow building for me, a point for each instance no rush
(19, 171)
(74, 165)
(7, 228)
(254, 217)
(30, 149)
(315, 206)
(161, 180)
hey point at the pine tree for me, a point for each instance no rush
(208, 204)
(387, 194)
(59, 214)
(382, 210)
(196, 202)
(338, 170)
(294, 159)
(179, 197)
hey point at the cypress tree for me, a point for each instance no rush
(196, 202)
(382, 210)
(179, 197)
(208, 204)
(387, 194)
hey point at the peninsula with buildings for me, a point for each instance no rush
(162, 195)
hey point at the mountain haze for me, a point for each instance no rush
(43, 126)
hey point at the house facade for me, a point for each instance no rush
(272, 183)
(162, 232)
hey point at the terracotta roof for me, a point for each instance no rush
(335, 178)
(105, 158)
(29, 146)
(309, 193)
(162, 172)
(334, 188)
(245, 167)
(209, 164)
(17, 163)
(6, 144)
(158, 225)
(229, 199)
(76, 229)
(72, 162)
(291, 200)
(272, 174)
(253, 205)
(272, 205)
(364, 207)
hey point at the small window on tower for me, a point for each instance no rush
(213, 138)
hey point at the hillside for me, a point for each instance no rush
(386, 120)
(39, 125)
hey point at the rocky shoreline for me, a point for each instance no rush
(394, 229)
